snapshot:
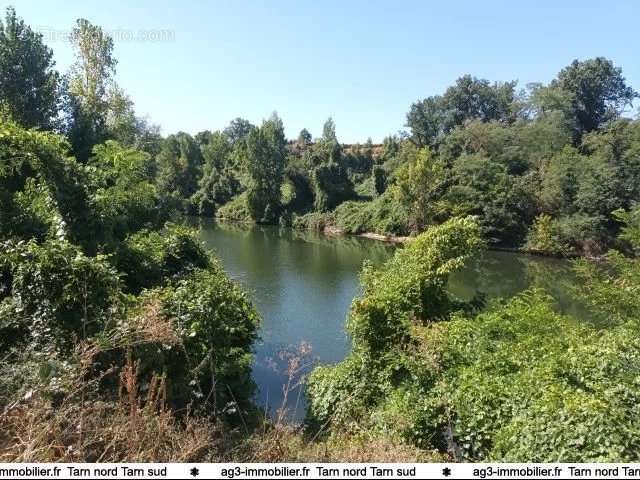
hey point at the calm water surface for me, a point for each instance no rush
(303, 283)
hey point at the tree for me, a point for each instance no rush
(148, 137)
(87, 87)
(331, 186)
(34, 162)
(218, 183)
(390, 148)
(470, 98)
(238, 130)
(94, 68)
(124, 196)
(473, 98)
(329, 131)
(304, 138)
(202, 138)
(178, 166)
(379, 179)
(426, 120)
(419, 188)
(121, 121)
(596, 90)
(28, 81)
(264, 155)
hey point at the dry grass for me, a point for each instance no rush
(137, 426)
(288, 444)
(85, 427)
(150, 326)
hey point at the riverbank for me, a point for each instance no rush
(335, 231)
(331, 230)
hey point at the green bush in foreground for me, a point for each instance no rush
(217, 325)
(523, 383)
(149, 258)
(53, 294)
(518, 382)
(408, 290)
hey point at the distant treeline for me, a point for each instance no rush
(543, 167)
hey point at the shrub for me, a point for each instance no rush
(545, 236)
(409, 289)
(150, 258)
(383, 215)
(312, 221)
(237, 210)
(523, 383)
(331, 186)
(566, 235)
(217, 325)
(34, 166)
(630, 231)
(54, 293)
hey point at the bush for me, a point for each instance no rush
(523, 383)
(331, 186)
(217, 325)
(236, 210)
(545, 236)
(150, 258)
(573, 234)
(54, 294)
(519, 382)
(409, 290)
(383, 215)
(312, 221)
(36, 213)
(34, 166)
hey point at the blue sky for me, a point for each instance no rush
(361, 62)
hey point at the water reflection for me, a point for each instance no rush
(303, 284)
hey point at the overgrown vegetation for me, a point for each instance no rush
(517, 382)
(122, 338)
(542, 168)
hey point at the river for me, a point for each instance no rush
(302, 283)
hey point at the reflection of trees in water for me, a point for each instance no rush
(495, 274)
(346, 250)
(349, 245)
(504, 274)
(558, 279)
(240, 229)
(553, 276)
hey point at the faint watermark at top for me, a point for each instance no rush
(156, 35)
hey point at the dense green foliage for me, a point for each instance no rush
(470, 98)
(264, 158)
(94, 279)
(54, 295)
(517, 382)
(87, 259)
(410, 288)
(543, 168)
(28, 81)
(151, 258)
(217, 326)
